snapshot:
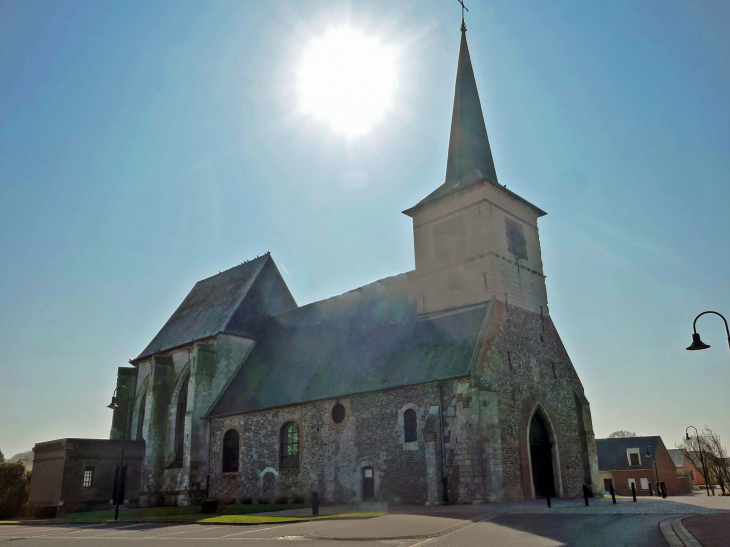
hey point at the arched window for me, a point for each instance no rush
(230, 451)
(182, 406)
(410, 426)
(290, 445)
(140, 416)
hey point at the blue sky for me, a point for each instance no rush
(147, 145)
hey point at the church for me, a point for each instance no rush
(445, 384)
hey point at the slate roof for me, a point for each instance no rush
(470, 157)
(365, 340)
(612, 453)
(207, 309)
(677, 455)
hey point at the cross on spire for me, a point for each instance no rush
(463, 7)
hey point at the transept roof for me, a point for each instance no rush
(216, 305)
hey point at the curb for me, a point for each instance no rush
(676, 534)
(51, 522)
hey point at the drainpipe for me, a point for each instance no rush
(444, 479)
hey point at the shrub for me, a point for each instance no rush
(297, 499)
(246, 501)
(281, 500)
(263, 501)
(14, 483)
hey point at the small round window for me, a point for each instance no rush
(338, 413)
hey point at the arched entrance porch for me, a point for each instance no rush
(542, 457)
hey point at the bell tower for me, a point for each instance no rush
(474, 239)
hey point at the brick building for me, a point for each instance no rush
(73, 474)
(448, 383)
(622, 462)
(686, 465)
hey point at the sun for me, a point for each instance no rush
(347, 79)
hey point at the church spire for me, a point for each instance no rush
(468, 145)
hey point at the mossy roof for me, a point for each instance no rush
(207, 309)
(366, 340)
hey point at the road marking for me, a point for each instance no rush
(116, 530)
(187, 529)
(256, 530)
(454, 531)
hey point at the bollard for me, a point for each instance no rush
(315, 504)
(658, 490)
(613, 493)
(548, 498)
(664, 489)
(585, 494)
(651, 492)
(633, 490)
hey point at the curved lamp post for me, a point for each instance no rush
(702, 458)
(656, 471)
(115, 406)
(699, 344)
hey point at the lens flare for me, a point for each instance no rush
(347, 79)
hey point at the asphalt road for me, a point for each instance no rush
(508, 530)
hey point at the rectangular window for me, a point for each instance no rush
(632, 481)
(644, 483)
(88, 477)
(634, 459)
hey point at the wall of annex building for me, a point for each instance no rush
(477, 244)
(207, 367)
(525, 363)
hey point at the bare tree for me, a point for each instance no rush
(622, 434)
(707, 454)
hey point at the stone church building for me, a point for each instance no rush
(448, 383)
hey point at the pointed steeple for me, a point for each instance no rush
(469, 145)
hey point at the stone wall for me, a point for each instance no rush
(465, 253)
(207, 367)
(520, 367)
(524, 363)
(332, 455)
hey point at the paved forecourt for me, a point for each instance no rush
(568, 522)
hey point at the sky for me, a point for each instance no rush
(147, 145)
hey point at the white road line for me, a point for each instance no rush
(122, 527)
(187, 529)
(257, 530)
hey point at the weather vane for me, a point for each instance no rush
(463, 7)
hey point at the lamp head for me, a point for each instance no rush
(648, 452)
(687, 436)
(113, 405)
(697, 343)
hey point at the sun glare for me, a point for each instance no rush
(347, 79)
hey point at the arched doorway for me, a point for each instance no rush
(541, 456)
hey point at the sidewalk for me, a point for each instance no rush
(709, 530)
(403, 522)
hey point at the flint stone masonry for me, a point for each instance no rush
(486, 423)
(207, 366)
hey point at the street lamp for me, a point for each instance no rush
(115, 406)
(656, 471)
(699, 344)
(702, 459)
